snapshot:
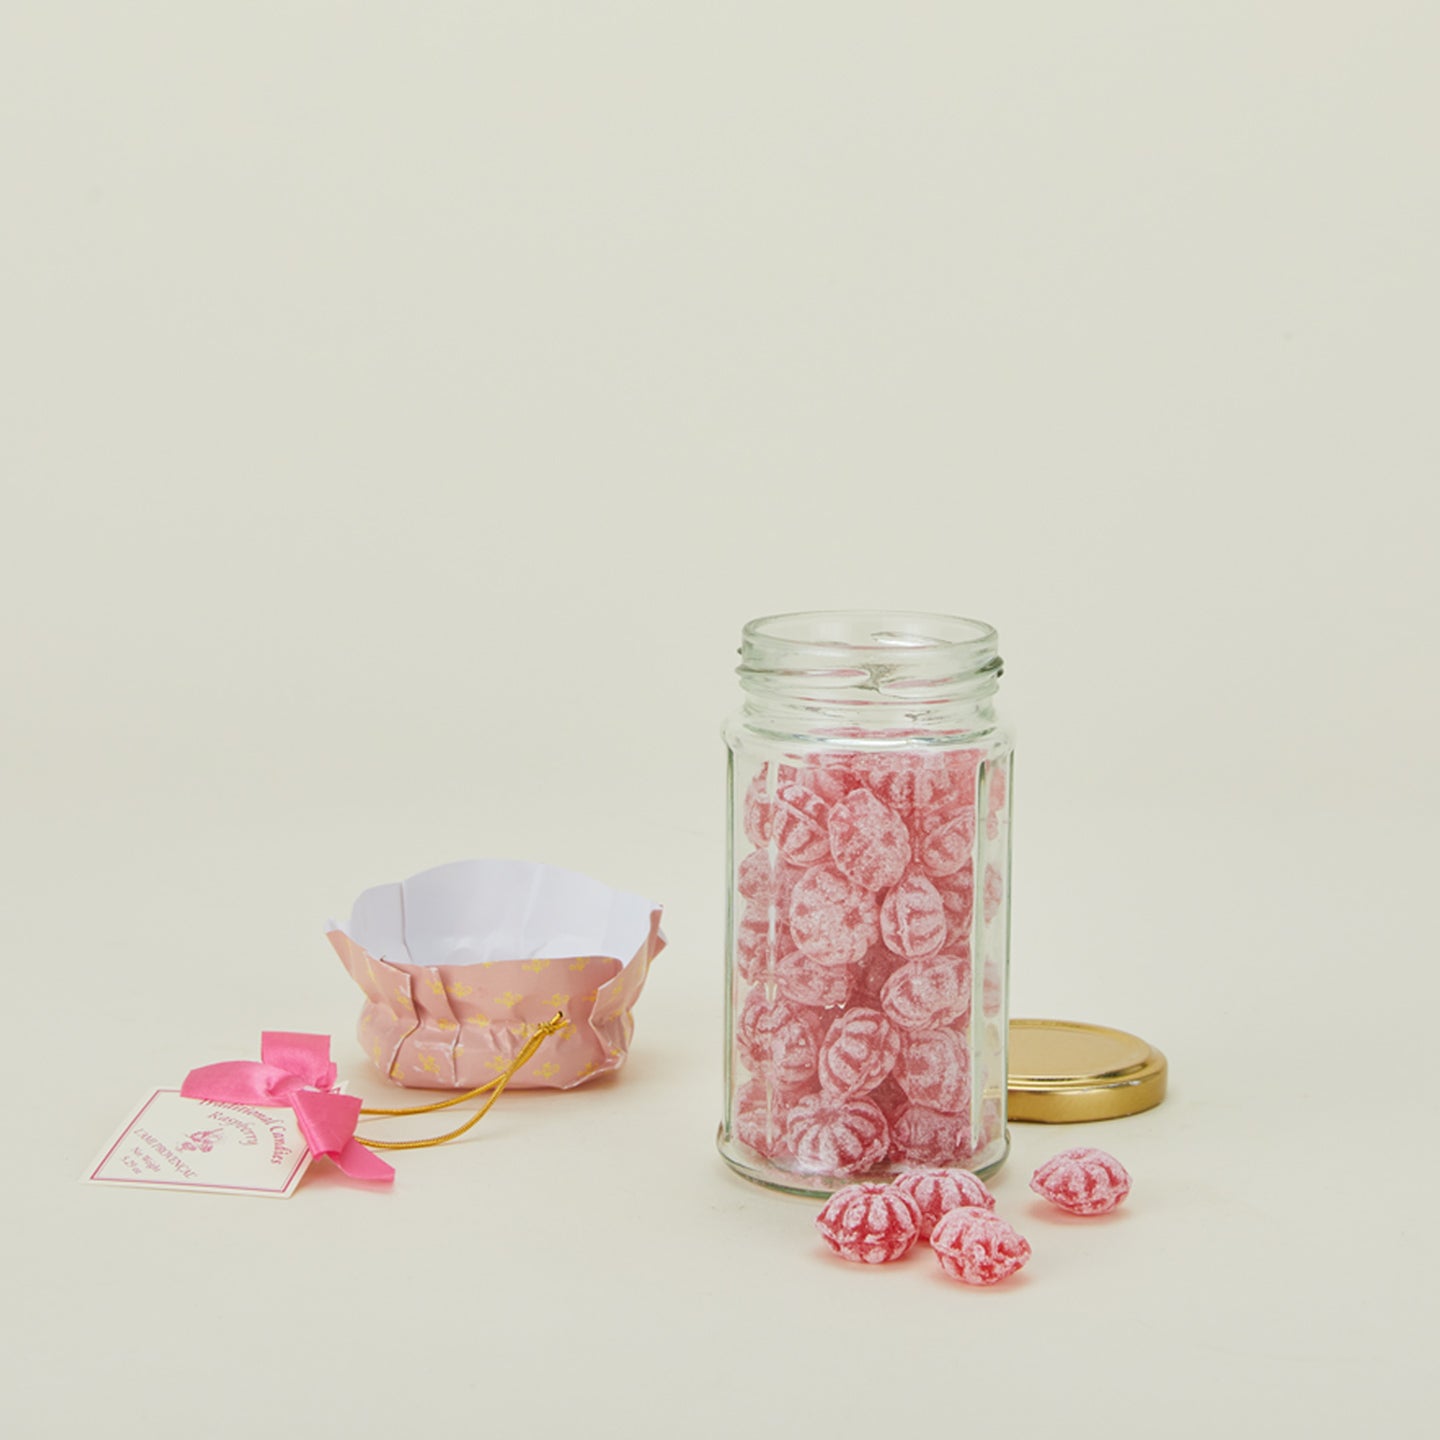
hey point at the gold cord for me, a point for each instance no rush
(496, 1086)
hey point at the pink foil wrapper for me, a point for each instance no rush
(458, 962)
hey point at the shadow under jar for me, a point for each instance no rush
(868, 926)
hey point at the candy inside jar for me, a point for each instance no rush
(869, 898)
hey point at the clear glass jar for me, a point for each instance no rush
(868, 932)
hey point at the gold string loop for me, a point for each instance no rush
(533, 1042)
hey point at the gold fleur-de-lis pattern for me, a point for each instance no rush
(536, 967)
(459, 989)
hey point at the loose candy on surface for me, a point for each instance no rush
(923, 994)
(870, 1224)
(777, 1040)
(807, 982)
(1084, 1181)
(760, 1117)
(868, 841)
(933, 1069)
(858, 1052)
(912, 917)
(800, 825)
(831, 1136)
(936, 1192)
(977, 1247)
(832, 919)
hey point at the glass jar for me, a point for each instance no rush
(869, 854)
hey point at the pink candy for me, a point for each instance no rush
(926, 993)
(868, 841)
(1083, 1181)
(870, 1224)
(912, 917)
(858, 1052)
(933, 1069)
(831, 1136)
(937, 1192)
(832, 919)
(799, 827)
(855, 939)
(977, 1247)
(777, 1040)
(808, 982)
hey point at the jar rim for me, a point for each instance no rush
(861, 634)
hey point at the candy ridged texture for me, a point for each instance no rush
(937, 1192)
(800, 828)
(1083, 1181)
(934, 1070)
(808, 982)
(870, 1224)
(831, 1136)
(832, 919)
(912, 917)
(760, 1119)
(757, 809)
(977, 1247)
(767, 880)
(927, 993)
(922, 1136)
(946, 840)
(777, 1040)
(957, 895)
(858, 1052)
(868, 841)
(760, 941)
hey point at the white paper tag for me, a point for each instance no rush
(174, 1143)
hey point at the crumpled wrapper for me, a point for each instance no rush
(458, 962)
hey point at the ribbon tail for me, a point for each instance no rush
(362, 1164)
(328, 1124)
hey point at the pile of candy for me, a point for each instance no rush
(873, 1224)
(854, 956)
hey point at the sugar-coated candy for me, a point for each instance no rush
(831, 779)
(858, 1052)
(777, 1040)
(912, 917)
(922, 1136)
(758, 808)
(868, 841)
(766, 879)
(760, 940)
(1083, 1181)
(832, 919)
(933, 1069)
(870, 1224)
(800, 826)
(910, 782)
(946, 839)
(936, 1192)
(996, 808)
(976, 1247)
(994, 892)
(957, 895)
(760, 1119)
(831, 1136)
(808, 982)
(922, 994)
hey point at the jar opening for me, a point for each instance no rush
(876, 633)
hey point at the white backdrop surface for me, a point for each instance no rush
(402, 409)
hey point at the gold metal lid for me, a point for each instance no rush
(1063, 1072)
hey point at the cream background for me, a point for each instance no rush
(401, 410)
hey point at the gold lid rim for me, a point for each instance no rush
(1130, 1075)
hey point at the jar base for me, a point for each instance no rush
(754, 1168)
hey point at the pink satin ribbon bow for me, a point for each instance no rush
(295, 1070)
